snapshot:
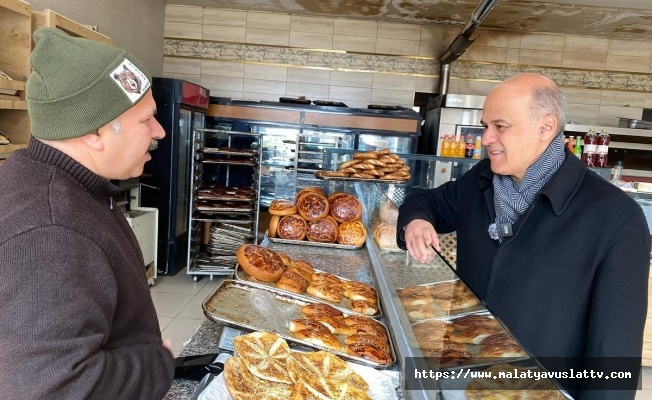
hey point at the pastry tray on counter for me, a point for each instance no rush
(443, 312)
(309, 243)
(241, 275)
(227, 161)
(234, 152)
(230, 304)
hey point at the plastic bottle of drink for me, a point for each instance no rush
(477, 149)
(603, 149)
(470, 144)
(577, 150)
(590, 148)
(446, 147)
(571, 143)
(459, 147)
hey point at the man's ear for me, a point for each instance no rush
(94, 140)
(548, 128)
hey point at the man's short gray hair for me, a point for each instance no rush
(548, 100)
(116, 125)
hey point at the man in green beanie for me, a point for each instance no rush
(76, 317)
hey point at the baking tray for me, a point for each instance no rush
(314, 244)
(230, 162)
(241, 275)
(366, 180)
(229, 304)
(242, 152)
(225, 198)
(634, 123)
(223, 210)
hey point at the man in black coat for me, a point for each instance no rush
(557, 253)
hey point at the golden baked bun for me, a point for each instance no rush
(282, 207)
(320, 309)
(312, 206)
(352, 233)
(385, 236)
(305, 266)
(287, 261)
(389, 213)
(327, 340)
(242, 385)
(344, 208)
(264, 354)
(260, 263)
(325, 291)
(368, 353)
(322, 230)
(273, 226)
(364, 307)
(291, 227)
(369, 340)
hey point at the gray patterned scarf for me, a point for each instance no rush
(511, 199)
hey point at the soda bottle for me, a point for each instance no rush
(477, 149)
(571, 143)
(470, 144)
(446, 147)
(460, 147)
(577, 150)
(590, 148)
(603, 149)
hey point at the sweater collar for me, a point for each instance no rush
(96, 185)
(560, 189)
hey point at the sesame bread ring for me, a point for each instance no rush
(364, 176)
(387, 159)
(363, 166)
(365, 156)
(331, 174)
(347, 164)
(374, 172)
(349, 170)
(377, 163)
(388, 170)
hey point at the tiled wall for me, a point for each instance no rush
(264, 56)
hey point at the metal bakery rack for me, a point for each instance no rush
(224, 196)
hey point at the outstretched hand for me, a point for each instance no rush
(420, 238)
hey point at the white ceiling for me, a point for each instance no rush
(598, 18)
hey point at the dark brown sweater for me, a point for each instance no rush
(76, 317)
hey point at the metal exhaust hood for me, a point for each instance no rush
(462, 42)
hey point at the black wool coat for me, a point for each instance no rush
(572, 280)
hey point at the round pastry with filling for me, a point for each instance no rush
(260, 263)
(282, 207)
(291, 227)
(312, 206)
(352, 233)
(344, 207)
(322, 230)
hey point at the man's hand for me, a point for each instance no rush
(420, 235)
(167, 343)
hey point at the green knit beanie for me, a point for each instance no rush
(78, 85)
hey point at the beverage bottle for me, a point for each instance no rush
(577, 150)
(590, 148)
(571, 143)
(603, 149)
(446, 147)
(470, 144)
(461, 147)
(477, 149)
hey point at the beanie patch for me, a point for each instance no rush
(131, 80)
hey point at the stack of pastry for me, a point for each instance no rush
(384, 228)
(453, 342)
(318, 218)
(298, 276)
(362, 337)
(265, 368)
(430, 301)
(377, 164)
(514, 388)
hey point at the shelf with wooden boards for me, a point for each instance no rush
(49, 18)
(15, 49)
